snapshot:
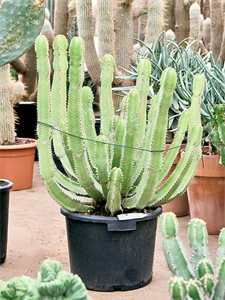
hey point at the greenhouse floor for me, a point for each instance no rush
(37, 231)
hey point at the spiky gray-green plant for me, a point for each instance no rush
(51, 283)
(195, 278)
(111, 173)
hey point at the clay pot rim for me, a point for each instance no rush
(22, 146)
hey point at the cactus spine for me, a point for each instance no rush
(108, 176)
(193, 278)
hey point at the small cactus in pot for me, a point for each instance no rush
(195, 277)
(120, 169)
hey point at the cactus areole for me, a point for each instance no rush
(120, 170)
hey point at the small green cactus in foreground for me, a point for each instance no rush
(195, 277)
(51, 283)
(111, 173)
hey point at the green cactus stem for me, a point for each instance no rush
(202, 283)
(177, 288)
(198, 239)
(176, 256)
(218, 131)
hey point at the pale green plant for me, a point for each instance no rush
(109, 172)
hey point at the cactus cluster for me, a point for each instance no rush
(218, 129)
(109, 171)
(51, 283)
(194, 278)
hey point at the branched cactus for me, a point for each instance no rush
(52, 283)
(109, 171)
(194, 278)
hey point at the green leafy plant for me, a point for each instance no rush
(51, 283)
(109, 172)
(195, 278)
(187, 63)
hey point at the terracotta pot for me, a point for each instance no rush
(206, 193)
(17, 164)
(179, 205)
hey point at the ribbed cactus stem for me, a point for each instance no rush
(195, 290)
(143, 70)
(207, 33)
(127, 161)
(194, 15)
(105, 27)
(204, 267)
(123, 33)
(102, 162)
(61, 17)
(198, 239)
(142, 21)
(106, 104)
(176, 256)
(155, 20)
(216, 27)
(85, 28)
(6, 109)
(193, 279)
(177, 288)
(221, 249)
(219, 288)
(218, 131)
(169, 15)
(182, 21)
(114, 197)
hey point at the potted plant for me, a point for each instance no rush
(5, 187)
(194, 278)
(51, 283)
(17, 36)
(109, 198)
(207, 190)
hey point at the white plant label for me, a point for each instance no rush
(131, 216)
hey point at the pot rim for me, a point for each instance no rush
(23, 146)
(113, 223)
(7, 187)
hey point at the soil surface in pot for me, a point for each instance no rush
(3, 183)
(37, 231)
(19, 142)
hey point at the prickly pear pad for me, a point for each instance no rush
(20, 23)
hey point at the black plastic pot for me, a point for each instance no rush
(26, 127)
(4, 215)
(109, 254)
